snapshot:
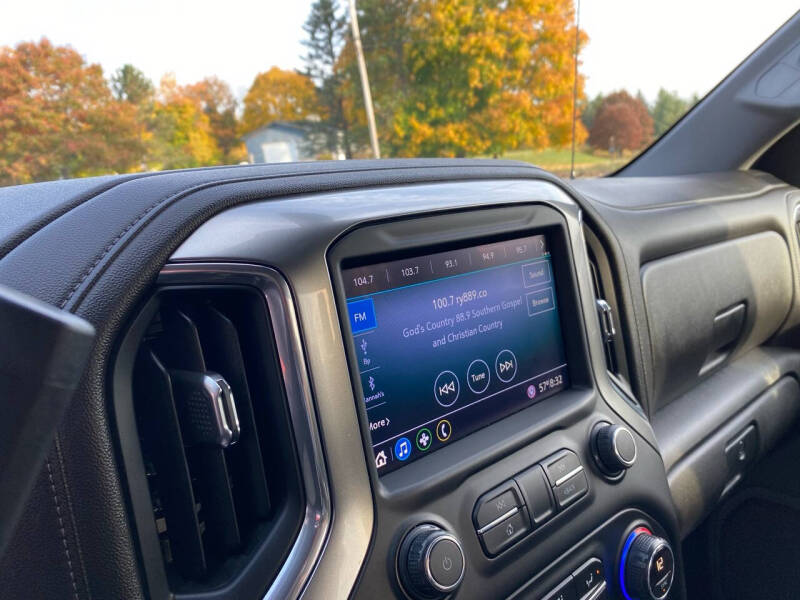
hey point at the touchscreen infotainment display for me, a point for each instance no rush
(450, 342)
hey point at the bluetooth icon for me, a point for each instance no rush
(371, 384)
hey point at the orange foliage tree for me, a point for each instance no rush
(487, 76)
(180, 133)
(58, 117)
(278, 95)
(215, 99)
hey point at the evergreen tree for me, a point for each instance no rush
(131, 85)
(326, 29)
(668, 108)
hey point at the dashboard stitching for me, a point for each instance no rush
(107, 249)
(62, 531)
(71, 513)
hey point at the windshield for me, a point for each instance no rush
(86, 89)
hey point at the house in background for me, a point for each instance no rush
(284, 141)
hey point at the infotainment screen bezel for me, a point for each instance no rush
(378, 242)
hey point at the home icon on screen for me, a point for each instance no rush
(380, 459)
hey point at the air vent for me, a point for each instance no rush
(608, 314)
(215, 439)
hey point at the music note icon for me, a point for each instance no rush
(402, 448)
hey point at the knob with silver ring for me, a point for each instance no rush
(430, 563)
(614, 449)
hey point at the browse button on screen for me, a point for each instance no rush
(540, 301)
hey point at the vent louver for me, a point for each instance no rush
(608, 315)
(215, 438)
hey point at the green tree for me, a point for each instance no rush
(385, 30)
(589, 110)
(326, 29)
(130, 85)
(58, 117)
(668, 108)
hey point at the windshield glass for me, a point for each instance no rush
(86, 89)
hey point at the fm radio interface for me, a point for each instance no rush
(450, 342)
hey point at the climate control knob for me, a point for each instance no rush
(614, 448)
(647, 566)
(430, 563)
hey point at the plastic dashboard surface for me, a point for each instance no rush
(306, 238)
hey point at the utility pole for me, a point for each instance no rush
(362, 69)
(575, 87)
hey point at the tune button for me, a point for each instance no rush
(478, 376)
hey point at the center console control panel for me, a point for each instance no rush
(498, 468)
(508, 513)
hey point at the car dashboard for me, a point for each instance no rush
(408, 379)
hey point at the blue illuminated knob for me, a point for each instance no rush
(647, 566)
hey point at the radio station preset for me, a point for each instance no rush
(450, 342)
(388, 275)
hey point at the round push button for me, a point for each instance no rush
(505, 365)
(445, 563)
(478, 376)
(443, 430)
(430, 563)
(446, 388)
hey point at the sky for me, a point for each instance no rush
(686, 46)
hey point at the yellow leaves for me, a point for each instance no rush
(488, 75)
(181, 132)
(278, 95)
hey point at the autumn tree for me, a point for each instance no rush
(628, 128)
(278, 95)
(181, 133)
(616, 127)
(487, 76)
(131, 85)
(58, 117)
(668, 108)
(326, 28)
(214, 97)
(622, 123)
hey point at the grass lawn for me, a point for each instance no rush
(557, 160)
